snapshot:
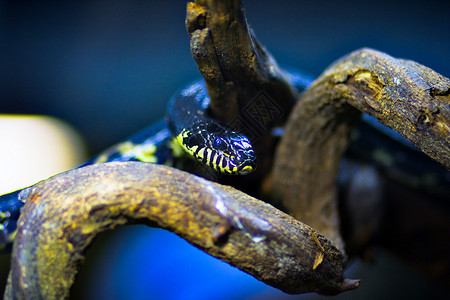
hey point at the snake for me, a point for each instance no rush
(190, 134)
(203, 138)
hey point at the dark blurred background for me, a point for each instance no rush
(108, 68)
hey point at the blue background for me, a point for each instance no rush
(109, 68)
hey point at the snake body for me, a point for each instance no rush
(188, 131)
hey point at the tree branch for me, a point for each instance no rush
(60, 219)
(408, 97)
(240, 74)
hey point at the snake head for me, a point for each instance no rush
(233, 154)
(226, 151)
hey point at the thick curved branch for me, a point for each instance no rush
(63, 214)
(408, 97)
(402, 94)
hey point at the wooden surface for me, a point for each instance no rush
(64, 214)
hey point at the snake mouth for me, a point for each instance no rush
(231, 165)
(244, 164)
(246, 169)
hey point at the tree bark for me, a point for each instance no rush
(408, 97)
(60, 219)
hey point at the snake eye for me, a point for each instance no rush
(219, 144)
(238, 159)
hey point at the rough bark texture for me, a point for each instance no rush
(408, 97)
(248, 91)
(232, 62)
(60, 219)
(402, 94)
